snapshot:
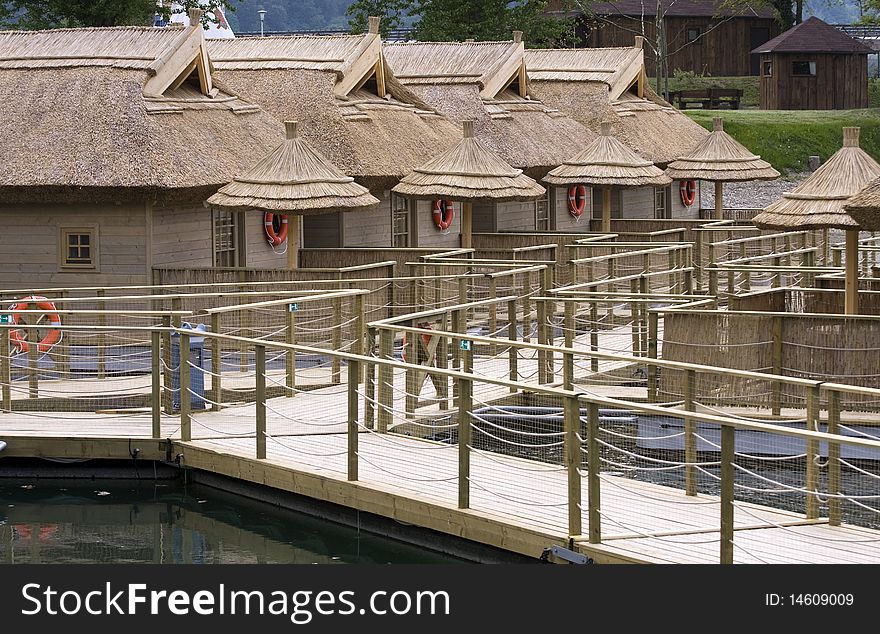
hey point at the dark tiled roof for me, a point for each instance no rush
(813, 36)
(680, 8)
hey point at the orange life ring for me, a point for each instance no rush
(444, 213)
(426, 340)
(688, 192)
(577, 200)
(279, 235)
(19, 339)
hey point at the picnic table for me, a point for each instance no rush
(707, 98)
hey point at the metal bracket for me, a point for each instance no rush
(565, 554)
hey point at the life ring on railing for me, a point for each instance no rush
(18, 337)
(688, 192)
(577, 200)
(421, 353)
(276, 228)
(443, 212)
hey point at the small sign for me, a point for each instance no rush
(5, 319)
(292, 308)
(464, 344)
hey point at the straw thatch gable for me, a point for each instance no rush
(593, 85)
(91, 112)
(486, 82)
(350, 106)
(864, 207)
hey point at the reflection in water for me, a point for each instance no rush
(64, 521)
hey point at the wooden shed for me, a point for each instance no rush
(814, 66)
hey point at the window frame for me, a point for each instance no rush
(236, 240)
(811, 65)
(698, 33)
(401, 207)
(767, 68)
(661, 195)
(94, 248)
(547, 219)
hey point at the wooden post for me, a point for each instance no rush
(386, 380)
(493, 316)
(168, 370)
(360, 326)
(653, 326)
(512, 354)
(353, 372)
(719, 200)
(260, 400)
(776, 387)
(728, 474)
(833, 459)
(569, 336)
(216, 364)
(526, 307)
(370, 382)
(5, 370)
(698, 257)
(573, 462)
(290, 355)
(63, 348)
(465, 405)
(606, 210)
(466, 225)
(851, 286)
(541, 311)
(826, 250)
(713, 274)
(594, 334)
(411, 355)
(690, 434)
(102, 338)
(812, 470)
(156, 385)
(594, 466)
(336, 341)
(184, 385)
(442, 357)
(634, 313)
(33, 371)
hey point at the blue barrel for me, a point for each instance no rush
(196, 373)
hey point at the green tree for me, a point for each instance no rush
(393, 14)
(50, 14)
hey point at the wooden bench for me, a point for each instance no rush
(707, 98)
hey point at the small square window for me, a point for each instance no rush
(400, 208)
(803, 69)
(693, 34)
(77, 245)
(768, 69)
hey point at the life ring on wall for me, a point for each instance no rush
(577, 200)
(426, 341)
(443, 212)
(688, 192)
(19, 338)
(276, 228)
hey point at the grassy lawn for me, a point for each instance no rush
(874, 93)
(787, 137)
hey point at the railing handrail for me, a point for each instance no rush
(277, 302)
(769, 236)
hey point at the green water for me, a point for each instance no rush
(66, 521)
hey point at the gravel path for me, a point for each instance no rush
(751, 194)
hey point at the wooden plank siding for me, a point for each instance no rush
(182, 236)
(322, 231)
(723, 51)
(678, 209)
(30, 244)
(428, 235)
(564, 220)
(259, 254)
(840, 83)
(371, 228)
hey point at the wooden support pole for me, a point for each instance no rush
(698, 257)
(493, 315)
(512, 354)
(386, 381)
(336, 341)
(594, 466)
(569, 336)
(411, 355)
(728, 439)
(442, 357)
(360, 332)
(465, 406)
(260, 400)
(526, 288)
(5, 370)
(541, 311)
(776, 387)
(466, 225)
(293, 237)
(572, 423)
(370, 382)
(102, 338)
(216, 364)
(167, 370)
(290, 355)
(811, 477)
(594, 334)
(653, 326)
(690, 434)
(851, 285)
(833, 459)
(156, 384)
(353, 431)
(606, 210)
(719, 200)
(33, 337)
(184, 385)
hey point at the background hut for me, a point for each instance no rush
(292, 180)
(607, 163)
(864, 207)
(356, 114)
(111, 140)
(595, 85)
(487, 82)
(818, 203)
(469, 172)
(721, 158)
(814, 66)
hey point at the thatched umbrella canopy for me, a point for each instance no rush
(721, 158)
(467, 173)
(607, 163)
(818, 203)
(864, 207)
(293, 179)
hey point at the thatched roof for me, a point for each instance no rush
(596, 85)
(293, 178)
(864, 207)
(818, 202)
(466, 81)
(814, 36)
(376, 139)
(470, 171)
(90, 111)
(607, 162)
(720, 157)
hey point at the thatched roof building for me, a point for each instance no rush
(864, 207)
(350, 105)
(113, 113)
(594, 85)
(487, 82)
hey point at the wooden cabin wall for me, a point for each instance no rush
(564, 220)
(678, 209)
(322, 231)
(840, 83)
(30, 245)
(258, 252)
(427, 233)
(483, 218)
(723, 51)
(182, 235)
(515, 216)
(370, 228)
(637, 203)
